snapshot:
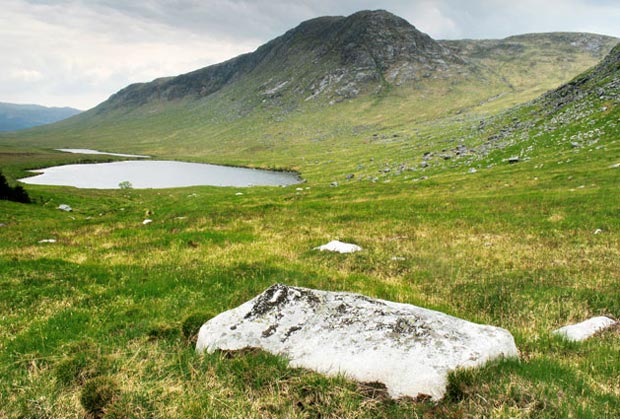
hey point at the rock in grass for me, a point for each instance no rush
(584, 330)
(47, 241)
(147, 221)
(65, 207)
(409, 349)
(339, 247)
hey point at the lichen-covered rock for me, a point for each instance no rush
(407, 348)
(584, 330)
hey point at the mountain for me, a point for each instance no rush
(332, 57)
(330, 87)
(15, 117)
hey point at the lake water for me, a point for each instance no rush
(144, 174)
(89, 151)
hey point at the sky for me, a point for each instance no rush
(79, 52)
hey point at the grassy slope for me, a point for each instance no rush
(510, 245)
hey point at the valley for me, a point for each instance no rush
(479, 177)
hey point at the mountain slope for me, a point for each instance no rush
(15, 117)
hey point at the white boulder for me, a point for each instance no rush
(65, 207)
(147, 221)
(584, 330)
(409, 349)
(340, 247)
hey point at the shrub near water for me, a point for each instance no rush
(15, 193)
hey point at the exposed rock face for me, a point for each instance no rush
(582, 331)
(407, 348)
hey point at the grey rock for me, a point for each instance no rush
(409, 349)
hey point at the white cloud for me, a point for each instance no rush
(25, 75)
(84, 56)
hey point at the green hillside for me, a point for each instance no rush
(471, 194)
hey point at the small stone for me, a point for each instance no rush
(350, 176)
(614, 166)
(47, 241)
(147, 221)
(339, 247)
(334, 184)
(582, 331)
(2, 225)
(398, 258)
(239, 194)
(598, 231)
(65, 207)
(472, 170)
(514, 159)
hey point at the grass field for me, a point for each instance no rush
(512, 245)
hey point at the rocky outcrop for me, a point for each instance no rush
(409, 349)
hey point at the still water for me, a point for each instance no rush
(144, 174)
(89, 151)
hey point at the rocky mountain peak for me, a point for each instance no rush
(331, 57)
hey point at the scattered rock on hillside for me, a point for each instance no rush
(584, 330)
(147, 221)
(47, 241)
(340, 247)
(409, 349)
(65, 207)
(513, 159)
(614, 166)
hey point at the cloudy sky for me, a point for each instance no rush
(79, 52)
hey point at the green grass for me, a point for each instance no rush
(110, 298)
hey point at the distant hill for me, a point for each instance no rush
(14, 117)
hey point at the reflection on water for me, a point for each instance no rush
(89, 151)
(143, 174)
